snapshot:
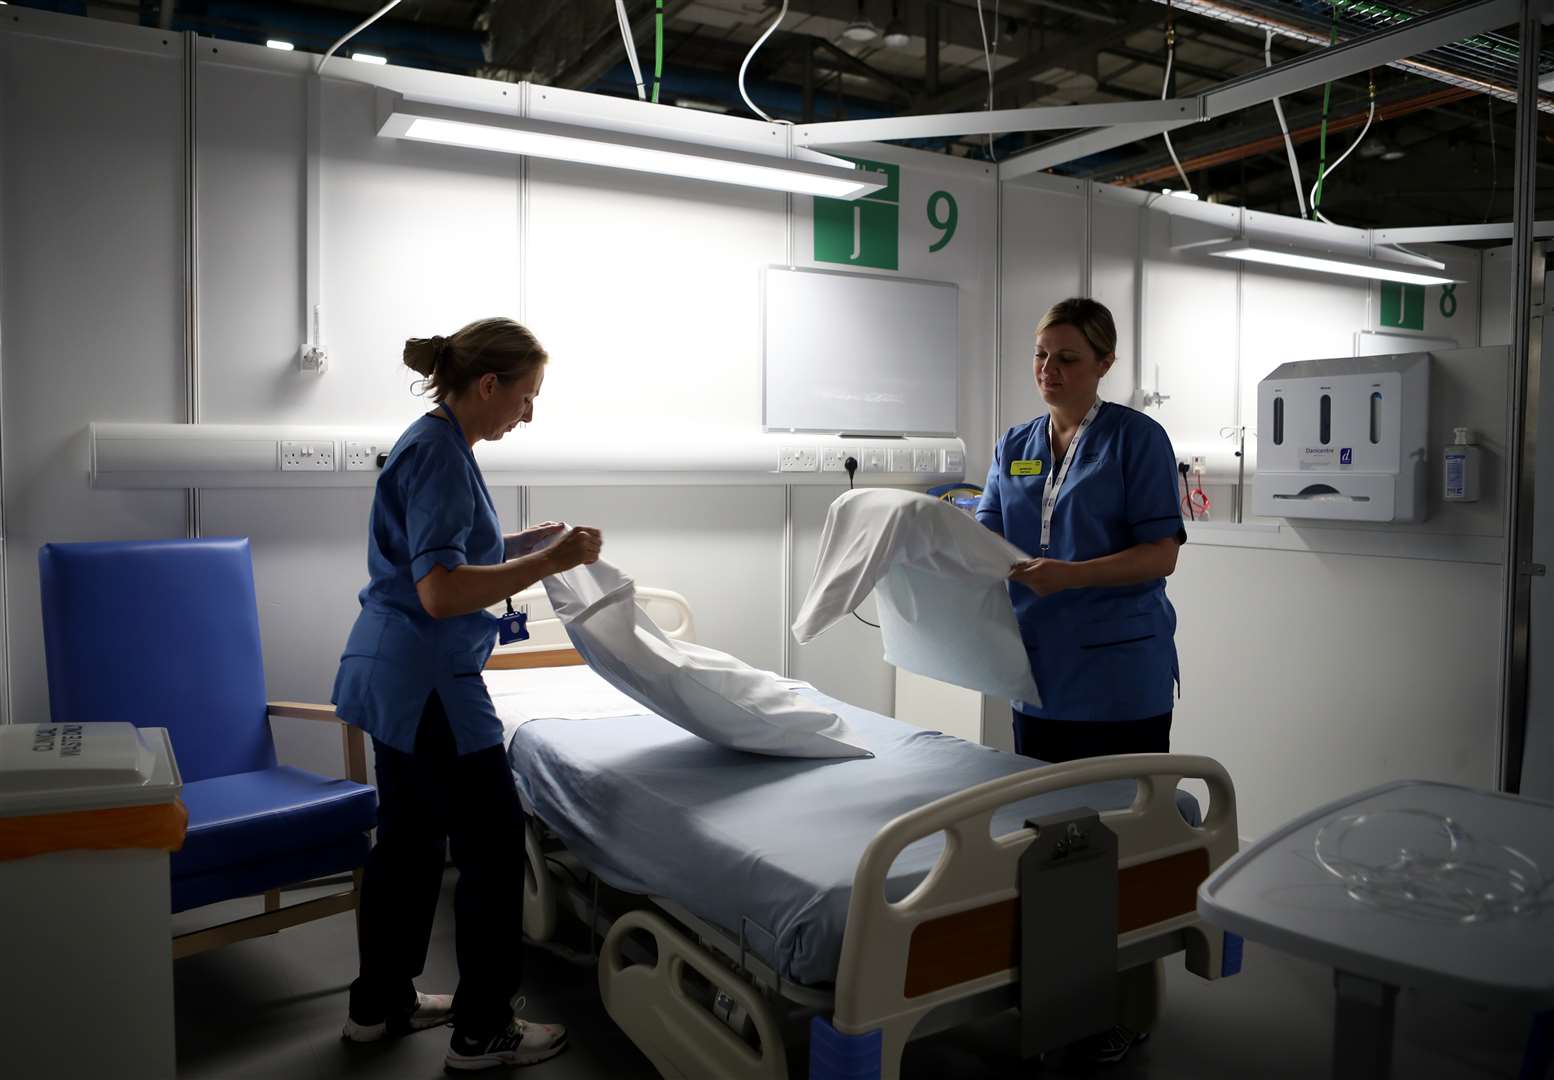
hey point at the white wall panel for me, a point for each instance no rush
(1290, 315)
(418, 239)
(1498, 297)
(646, 292)
(719, 547)
(847, 660)
(1190, 335)
(91, 169)
(1114, 245)
(1043, 263)
(1314, 676)
(253, 138)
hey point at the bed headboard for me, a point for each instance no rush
(548, 645)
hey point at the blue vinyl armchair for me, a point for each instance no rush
(165, 633)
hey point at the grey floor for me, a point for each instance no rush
(272, 1007)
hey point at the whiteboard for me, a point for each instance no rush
(860, 354)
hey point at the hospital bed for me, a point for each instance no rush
(875, 900)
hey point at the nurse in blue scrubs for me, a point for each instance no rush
(1089, 490)
(411, 678)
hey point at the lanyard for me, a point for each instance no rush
(1055, 480)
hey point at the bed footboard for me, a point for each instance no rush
(666, 1006)
(957, 934)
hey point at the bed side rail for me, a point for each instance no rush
(957, 933)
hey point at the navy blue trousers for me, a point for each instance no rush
(429, 802)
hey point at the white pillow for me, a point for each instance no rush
(706, 692)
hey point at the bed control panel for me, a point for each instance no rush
(1068, 930)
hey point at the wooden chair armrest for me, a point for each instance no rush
(299, 710)
(353, 743)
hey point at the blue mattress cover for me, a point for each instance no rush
(655, 810)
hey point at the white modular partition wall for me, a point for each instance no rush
(91, 287)
(644, 289)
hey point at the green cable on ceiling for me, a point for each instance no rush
(658, 47)
(1327, 97)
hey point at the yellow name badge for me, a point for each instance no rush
(1025, 468)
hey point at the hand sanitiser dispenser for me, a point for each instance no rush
(1344, 439)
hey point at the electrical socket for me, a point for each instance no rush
(873, 459)
(834, 459)
(1197, 463)
(361, 456)
(903, 461)
(955, 462)
(308, 456)
(925, 461)
(798, 459)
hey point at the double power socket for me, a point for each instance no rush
(322, 455)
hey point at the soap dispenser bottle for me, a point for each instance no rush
(1462, 467)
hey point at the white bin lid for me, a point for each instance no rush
(54, 768)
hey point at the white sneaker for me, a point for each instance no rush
(431, 1010)
(520, 1043)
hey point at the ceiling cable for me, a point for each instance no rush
(384, 10)
(631, 47)
(1316, 188)
(1289, 144)
(1165, 88)
(781, 15)
(987, 55)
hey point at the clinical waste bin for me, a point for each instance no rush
(88, 815)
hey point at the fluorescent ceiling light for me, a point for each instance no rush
(369, 58)
(284, 46)
(811, 174)
(1329, 262)
(1190, 196)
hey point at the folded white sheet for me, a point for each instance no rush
(565, 693)
(940, 580)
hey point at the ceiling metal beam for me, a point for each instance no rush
(1073, 147)
(1456, 234)
(999, 121)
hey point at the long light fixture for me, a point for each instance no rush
(1328, 262)
(811, 174)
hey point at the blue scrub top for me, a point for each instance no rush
(1100, 653)
(432, 508)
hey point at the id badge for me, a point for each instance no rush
(1025, 468)
(513, 626)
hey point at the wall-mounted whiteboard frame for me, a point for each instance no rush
(859, 354)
